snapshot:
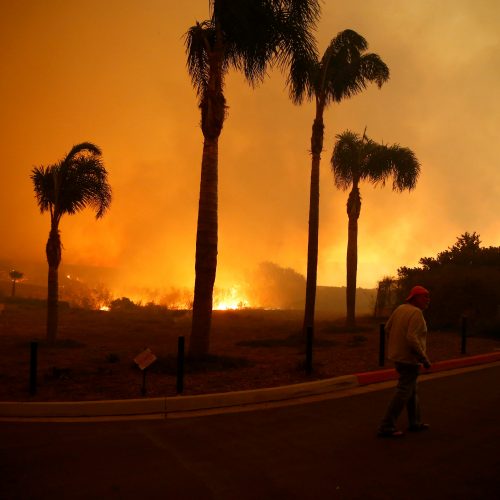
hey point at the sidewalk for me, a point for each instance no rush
(165, 406)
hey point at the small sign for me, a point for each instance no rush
(145, 359)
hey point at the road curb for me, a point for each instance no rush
(174, 404)
(374, 377)
(177, 404)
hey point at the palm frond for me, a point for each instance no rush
(355, 157)
(307, 12)
(84, 185)
(297, 51)
(297, 48)
(374, 69)
(248, 35)
(43, 183)
(255, 34)
(406, 168)
(349, 42)
(346, 70)
(199, 40)
(399, 162)
(77, 182)
(345, 161)
(300, 82)
(83, 147)
(377, 162)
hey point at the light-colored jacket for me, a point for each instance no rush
(407, 334)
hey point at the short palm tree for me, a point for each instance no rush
(344, 71)
(357, 158)
(67, 187)
(246, 35)
(15, 276)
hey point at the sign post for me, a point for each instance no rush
(144, 360)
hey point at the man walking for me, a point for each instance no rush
(407, 332)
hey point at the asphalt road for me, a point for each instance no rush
(321, 450)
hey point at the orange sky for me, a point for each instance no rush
(113, 73)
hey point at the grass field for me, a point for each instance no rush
(94, 356)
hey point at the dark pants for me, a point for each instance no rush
(406, 395)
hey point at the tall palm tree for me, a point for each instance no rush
(357, 158)
(246, 35)
(67, 187)
(15, 276)
(344, 71)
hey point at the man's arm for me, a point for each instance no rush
(417, 328)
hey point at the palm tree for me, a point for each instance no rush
(344, 71)
(246, 35)
(67, 187)
(15, 276)
(357, 158)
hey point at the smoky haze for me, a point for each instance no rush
(120, 81)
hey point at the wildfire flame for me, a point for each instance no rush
(224, 299)
(230, 299)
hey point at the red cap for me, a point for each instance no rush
(417, 290)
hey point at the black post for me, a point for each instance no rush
(180, 365)
(143, 388)
(381, 351)
(463, 348)
(309, 350)
(33, 367)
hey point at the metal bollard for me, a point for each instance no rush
(33, 367)
(309, 350)
(180, 365)
(381, 351)
(463, 347)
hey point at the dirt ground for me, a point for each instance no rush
(94, 356)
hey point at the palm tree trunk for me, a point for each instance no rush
(206, 252)
(353, 211)
(312, 242)
(53, 251)
(213, 108)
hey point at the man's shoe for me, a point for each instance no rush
(419, 427)
(394, 433)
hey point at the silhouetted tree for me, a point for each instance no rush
(15, 276)
(343, 71)
(385, 295)
(67, 187)
(465, 251)
(463, 280)
(357, 158)
(246, 35)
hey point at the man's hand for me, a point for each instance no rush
(426, 364)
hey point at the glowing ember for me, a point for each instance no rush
(104, 308)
